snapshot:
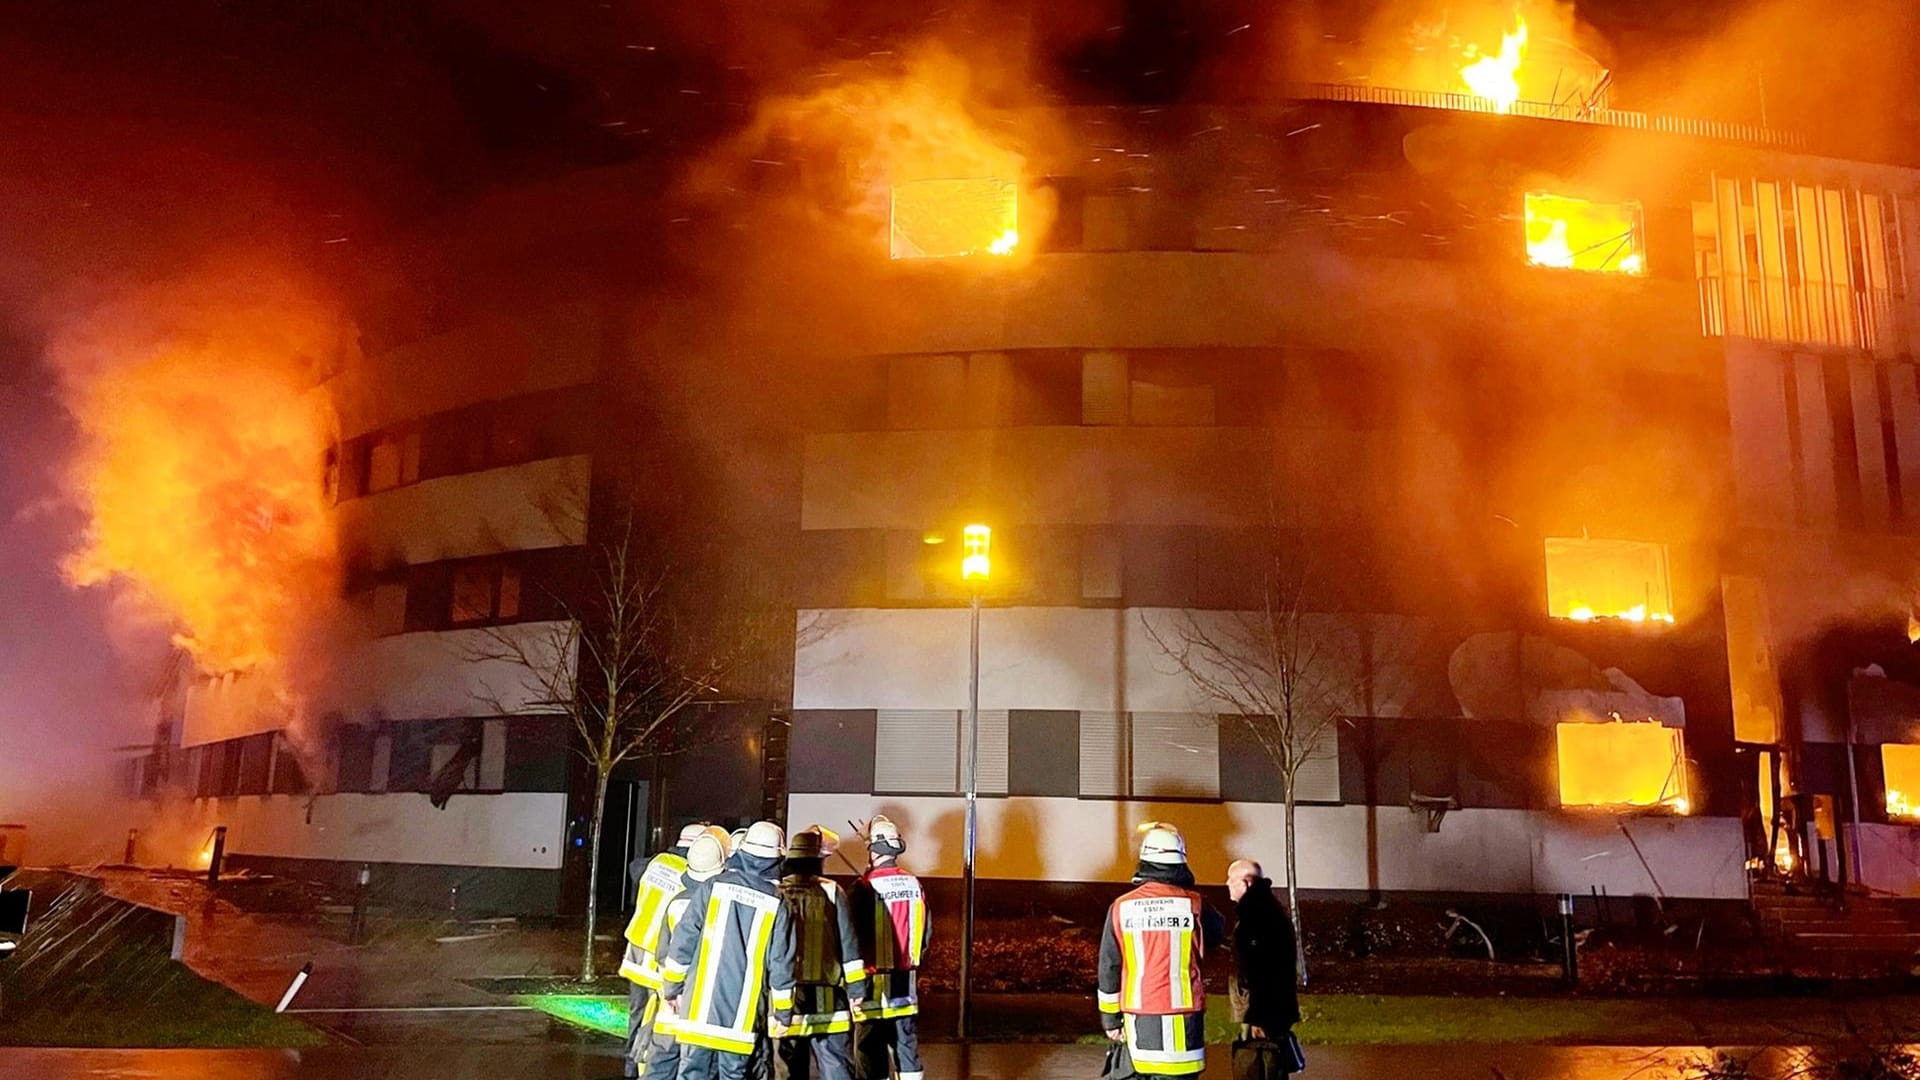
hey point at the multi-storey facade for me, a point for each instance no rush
(1591, 440)
(1589, 431)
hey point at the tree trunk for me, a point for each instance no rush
(1293, 892)
(593, 870)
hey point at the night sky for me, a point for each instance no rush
(135, 136)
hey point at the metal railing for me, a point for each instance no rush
(1775, 309)
(1574, 111)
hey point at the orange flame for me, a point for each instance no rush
(1496, 77)
(201, 465)
(912, 128)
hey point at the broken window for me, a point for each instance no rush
(1622, 764)
(1575, 234)
(1900, 764)
(936, 219)
(1590, 579)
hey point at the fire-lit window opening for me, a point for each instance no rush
(1576, 234)
(937, 219)
(1589, 579)
(1622, 764)
(1900, 764)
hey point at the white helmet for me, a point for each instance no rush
(690, 833)
(706, 856)
(1161, 842)
(765, 840)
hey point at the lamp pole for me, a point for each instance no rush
(975, 567)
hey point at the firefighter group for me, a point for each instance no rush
(746, 960)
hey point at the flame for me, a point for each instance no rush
(201, 460)
(1622, 764)
(1497, 77)
(1900, 764)
(910, 128)
(1578, 234)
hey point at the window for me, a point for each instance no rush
(1622, 764)
(1149, 755)
(1900, 764)
(1575, 234)
(1176, 755)
(934, 219)
(917, 750)
(922, 750)
(485, 592)
(393, 459)
(1590, 579)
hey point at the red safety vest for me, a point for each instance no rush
(900, 918)
(1158, 929)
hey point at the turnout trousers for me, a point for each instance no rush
(706, 1063)
(795, 1058)
(889, 1046)
(640, 1009)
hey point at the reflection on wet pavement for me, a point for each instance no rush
(948, 1062)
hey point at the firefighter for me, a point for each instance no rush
(830, 979)
(706, 857)
(660, 882)
(890, 916)
(734, 943)
(1151, 996)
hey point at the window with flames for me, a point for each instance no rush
(938, 219)
(1590, 579)
(1577, 234)
(1622, 765)
(1901, 766)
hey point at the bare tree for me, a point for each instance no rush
(1284, 675)
(622, 664)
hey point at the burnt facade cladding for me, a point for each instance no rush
(1592, 440)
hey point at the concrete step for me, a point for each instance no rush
(1889, 943)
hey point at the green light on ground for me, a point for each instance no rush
(606, 1015)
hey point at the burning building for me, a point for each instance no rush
(1581, 430)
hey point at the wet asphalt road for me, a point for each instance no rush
(945, 1062)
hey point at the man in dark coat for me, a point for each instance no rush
(1266, 996)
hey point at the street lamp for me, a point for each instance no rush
(976, 566)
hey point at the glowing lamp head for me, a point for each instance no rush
(976, 562)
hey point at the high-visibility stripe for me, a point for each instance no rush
(757, 939)
(1133, 968)
(715, 1037)
(674, 970)
(1179, 975)
(854, 970)
(660, 882)
(708, 961)
(916, 929)
(1109, 1003)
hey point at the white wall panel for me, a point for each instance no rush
(516, 508)
(516, 829)
(1082, 659)
(404, 677)
(1516, 851)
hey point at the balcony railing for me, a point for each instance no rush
(1774, 309)
(1547, 110)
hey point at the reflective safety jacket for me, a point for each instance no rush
(890, 915)
(1150, 977)
(662, 1020)
(662, 880)
(734, 942)
(827, 965)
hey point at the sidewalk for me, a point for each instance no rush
(1001, 1062)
